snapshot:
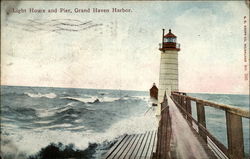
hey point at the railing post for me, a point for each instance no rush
(189, 110)
(182, 101)
(235, 136)
(179, 99)
(201, 118)
(185, 106)
(182, 105)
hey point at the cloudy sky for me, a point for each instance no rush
(120, 50)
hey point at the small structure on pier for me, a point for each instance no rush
(154, 92)
(154, 95)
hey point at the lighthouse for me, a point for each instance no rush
(168, 78)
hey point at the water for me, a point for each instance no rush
(34, 117)
(86, 122)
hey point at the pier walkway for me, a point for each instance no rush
(179, 135)
(134, 146)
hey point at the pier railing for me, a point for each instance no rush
(234, 115)
(164, 132)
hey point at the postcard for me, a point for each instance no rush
(124, 79)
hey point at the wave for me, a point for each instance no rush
(9, 125)
(42, 113)
(67, 110)
(39, 95)
(80, 139)
(19, 112)
(77, 128)
(9, 150)
(92, 100)
(24, 113)
(109, 99)
(43, 121)
(55, 126)
(83, 100)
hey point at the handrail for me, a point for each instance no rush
(233, 122)
(164, 132)
(238, 111)
(201, 127)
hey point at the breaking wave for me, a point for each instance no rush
(48, 141)
(80, 121)
(39, 95)
(92, 100)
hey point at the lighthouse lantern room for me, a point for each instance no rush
(169, 42)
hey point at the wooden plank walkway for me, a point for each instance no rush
(157, 144)
(134, 146)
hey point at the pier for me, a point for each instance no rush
(234, 115)
(134, 146)
(181, 135)
(160, 144)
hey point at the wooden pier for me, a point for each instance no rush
(234, 115)
(157, 144)
(134, 146)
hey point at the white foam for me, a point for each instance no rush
(8, 125)
(39, 95)
(31, 141)
(141, 97)
(52, 111)
(133, 125)
(63, 109)
(10, 150)
(44, 113)
(55, 126)
(7, 119)
(43, 122)
(71, 104)
(108, 99)
(76, 128)
(92, 99)
(78, 121)
(84, 100)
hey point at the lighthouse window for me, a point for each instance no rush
(170, 40)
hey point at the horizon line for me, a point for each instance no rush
(121, 89)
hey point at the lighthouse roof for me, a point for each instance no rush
(153, 87)
(170, 35)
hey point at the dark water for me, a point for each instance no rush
(82, 123)
(33, 117)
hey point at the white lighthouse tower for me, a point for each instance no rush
(168, 80)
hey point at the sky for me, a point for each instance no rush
(121, 50)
